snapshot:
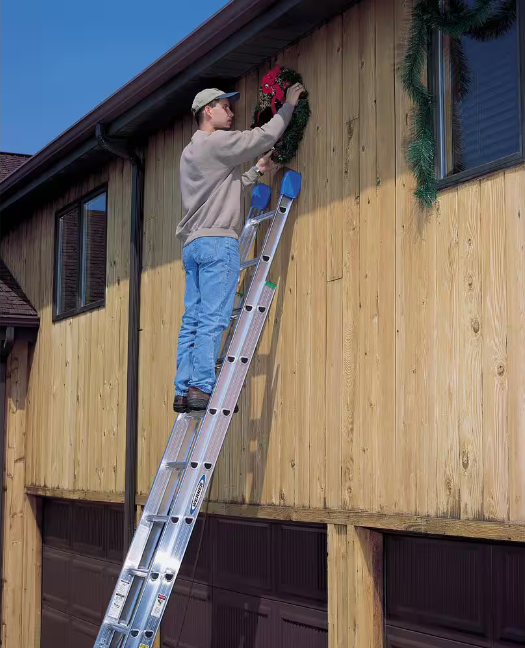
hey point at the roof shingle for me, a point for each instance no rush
(15, 307)
(10, 162)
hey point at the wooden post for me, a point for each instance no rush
(21, 600)
(355, 587)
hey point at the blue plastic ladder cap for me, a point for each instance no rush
(291, 184)
(261, 196)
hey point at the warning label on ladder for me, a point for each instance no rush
(119, 599)
(159, 605)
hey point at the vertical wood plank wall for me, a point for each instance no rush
(22, 559)
(76, 400)
(391, 374)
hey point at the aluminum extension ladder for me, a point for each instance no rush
(139, 599)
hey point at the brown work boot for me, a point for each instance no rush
(180, 404)
(197, 399)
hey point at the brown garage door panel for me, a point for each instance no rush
(56, 576)
(197, 626)
(441, 585)
(57, 523)
(88, 530)
(242, 620)
(86, 589)
(301, 563)
(242, 555)
(509, 590)
(83, 635)
(77, 585)
(203, 571)
(399, 638)
(299, 626)
(55, 628)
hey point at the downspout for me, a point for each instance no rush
(5, 350)
(118, 147)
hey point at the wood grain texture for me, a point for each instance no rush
(368, 386)
(338, 595)
(384, 447)
(515, 274)
(335, 150)
(447, 476)
(351, 245)
(355, 587)
(470, 352)
(318, 176)
(22, 559)
(368, 552)
(495, 330)
(503, 531)
(76, 392)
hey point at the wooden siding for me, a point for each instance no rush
(76, 401)
(390, 376)
(22, 559)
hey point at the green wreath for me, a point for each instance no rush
(486, 20)
(272, 95)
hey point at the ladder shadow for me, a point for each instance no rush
(259, 430)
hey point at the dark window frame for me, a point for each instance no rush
(100, 303)
(433, 81)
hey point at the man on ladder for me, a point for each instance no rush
(211, 185)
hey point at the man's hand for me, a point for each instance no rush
(265, 164)
(293, 93)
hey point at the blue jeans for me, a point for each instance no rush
(212, 265)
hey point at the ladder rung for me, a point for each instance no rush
(250, 263)
(177, 465)
(196, 414)
(119, 627)
(158, 518)
(143, 573)
(262, 217)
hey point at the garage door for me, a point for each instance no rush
(452, 594)
(259, 584)
(82, 555)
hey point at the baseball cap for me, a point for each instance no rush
(204, 97)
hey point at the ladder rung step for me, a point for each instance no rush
(249, 263)
(119, 627)
(143, 573)
(262, 217)
(158, 518)
(177, 465)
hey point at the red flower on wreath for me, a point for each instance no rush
(271, 77)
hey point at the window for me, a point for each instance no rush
(80, 265)
(481, 107)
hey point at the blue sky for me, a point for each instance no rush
(59, 59)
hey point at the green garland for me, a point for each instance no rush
(272, 95)
(486, 20)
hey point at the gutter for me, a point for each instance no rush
(118, 147)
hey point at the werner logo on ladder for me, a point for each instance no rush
(151, 566)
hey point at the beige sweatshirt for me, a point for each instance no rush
(211, 181)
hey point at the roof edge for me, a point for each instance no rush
(230, 18)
